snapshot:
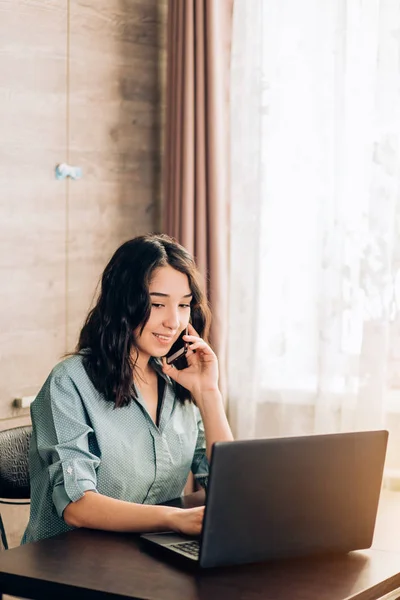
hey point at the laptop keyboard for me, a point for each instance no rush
(192, 548)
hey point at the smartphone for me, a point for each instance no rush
(177, 355)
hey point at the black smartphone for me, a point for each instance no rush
(177, 354)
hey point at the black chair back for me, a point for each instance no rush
(14, 469)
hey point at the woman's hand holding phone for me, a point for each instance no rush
(201, 379)
(201, 374)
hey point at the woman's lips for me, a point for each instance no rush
(164, 340)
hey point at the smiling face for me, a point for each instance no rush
(170, 296)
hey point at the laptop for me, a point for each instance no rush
(286, 497)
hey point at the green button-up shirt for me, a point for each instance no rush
(81, 442)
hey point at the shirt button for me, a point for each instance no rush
(69, 470)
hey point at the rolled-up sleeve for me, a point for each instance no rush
(62, 438)
(200, 465)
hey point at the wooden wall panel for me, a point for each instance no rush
(98, 107)
(32, 202)
(114, 100)
(104, 115)
(162, 75)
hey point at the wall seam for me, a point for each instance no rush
(67, 139)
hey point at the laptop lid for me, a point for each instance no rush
(285, 497)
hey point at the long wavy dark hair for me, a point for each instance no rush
(107, 341)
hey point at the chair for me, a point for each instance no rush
(14, 469)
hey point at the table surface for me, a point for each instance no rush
(94, 564)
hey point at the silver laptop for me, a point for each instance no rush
(286, 497)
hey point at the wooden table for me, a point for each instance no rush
(98, 565)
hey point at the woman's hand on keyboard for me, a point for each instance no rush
(187, 521)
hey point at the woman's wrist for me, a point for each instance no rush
(208, 400)
(169, 518)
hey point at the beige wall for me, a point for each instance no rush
(80, 82)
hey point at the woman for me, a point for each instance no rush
(116, 429)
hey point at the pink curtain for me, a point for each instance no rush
(196, 157)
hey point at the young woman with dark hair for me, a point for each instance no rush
(116, 430)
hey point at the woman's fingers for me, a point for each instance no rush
(170, 370)
(199, 345)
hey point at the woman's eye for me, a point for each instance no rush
(158, 305)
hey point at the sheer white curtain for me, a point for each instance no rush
(315, 220)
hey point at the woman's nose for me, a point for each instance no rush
(172, 320)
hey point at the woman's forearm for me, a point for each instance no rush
(215, 423)
(96, 511)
